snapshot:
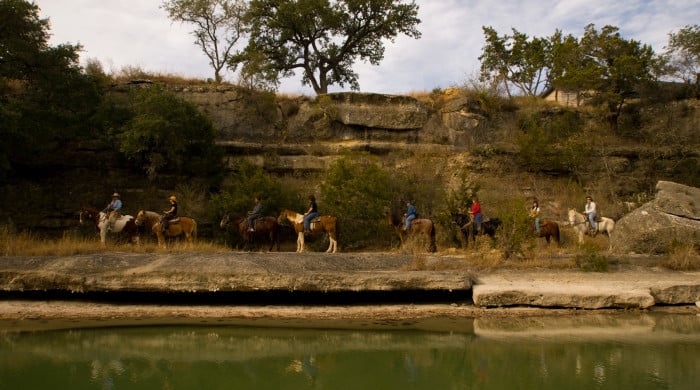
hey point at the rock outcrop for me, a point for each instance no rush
(672, 217)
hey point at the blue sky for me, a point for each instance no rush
(122, 33)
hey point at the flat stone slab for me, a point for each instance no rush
(223, 272)
(572, 289)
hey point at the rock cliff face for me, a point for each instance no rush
(673, 216)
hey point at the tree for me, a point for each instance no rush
(684, 52)
(604, 65)
(219, 26)
(323, 38)
(45, 98)
(357, 190)
(516, 60)
(165, 133)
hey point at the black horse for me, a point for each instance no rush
(468, 227)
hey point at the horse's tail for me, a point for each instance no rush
(556, 232)
(337, 230)
(194, 229)
(433, 245)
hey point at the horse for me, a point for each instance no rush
(549, 230)
(319, 225)
(177, 226)
(419, 226)
(264, 227)
(123, 224)
(580, 224)
(467, 226)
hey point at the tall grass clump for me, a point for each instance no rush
(589, 259)
(682, 257)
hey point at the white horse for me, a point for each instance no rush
(125, 223)
(580, 224)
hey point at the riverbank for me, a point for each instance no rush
(281, 289)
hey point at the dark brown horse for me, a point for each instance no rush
(177, 227)
(264, 227)
(468, 227)
(319, 225)
(550, 230)
(419, 226)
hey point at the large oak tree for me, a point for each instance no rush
(323, 38)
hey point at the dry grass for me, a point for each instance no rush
(24, 244)
(683, 258)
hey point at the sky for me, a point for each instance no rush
(138, 33)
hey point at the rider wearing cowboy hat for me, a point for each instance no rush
(112, 210)
(591, 211)
(170, 214)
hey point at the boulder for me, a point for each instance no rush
(458, 112)
(379, 111)
(673, 216)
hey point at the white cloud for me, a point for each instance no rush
(123, 33)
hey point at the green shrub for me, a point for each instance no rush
(164, 133)
(589, 259)
(517, 228)
(358, 191)
(238, 198)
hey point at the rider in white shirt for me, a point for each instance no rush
(591, 211)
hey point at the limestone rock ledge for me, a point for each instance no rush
(222, 272)
(252, 273)
(637, 290)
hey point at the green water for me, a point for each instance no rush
(581, 352)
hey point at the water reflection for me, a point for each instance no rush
(580, 352)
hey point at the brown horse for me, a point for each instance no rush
(124, 224)
(177, 227)
(319, 225)
(264, 227)
(549, 230)
(419, 226)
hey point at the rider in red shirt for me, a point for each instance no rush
(476, 212)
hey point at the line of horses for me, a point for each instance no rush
(129, 225)
(268, 228)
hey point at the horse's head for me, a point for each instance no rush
(460, 219)
(88, 214)
(140, 218)
(225, 220)
(572, 216)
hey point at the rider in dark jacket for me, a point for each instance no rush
(171, 213)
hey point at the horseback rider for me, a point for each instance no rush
(310, 214)
(170, 214)
(255, 214)
(591, 211)
(113, 210)
(535, 213)
(475, 211)
(410, 215)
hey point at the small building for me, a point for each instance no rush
(567, 98)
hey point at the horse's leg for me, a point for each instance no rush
(332, 244)
(300, 242)
(161, 238)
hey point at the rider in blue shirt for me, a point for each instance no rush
(411, 214)
(113, 210)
